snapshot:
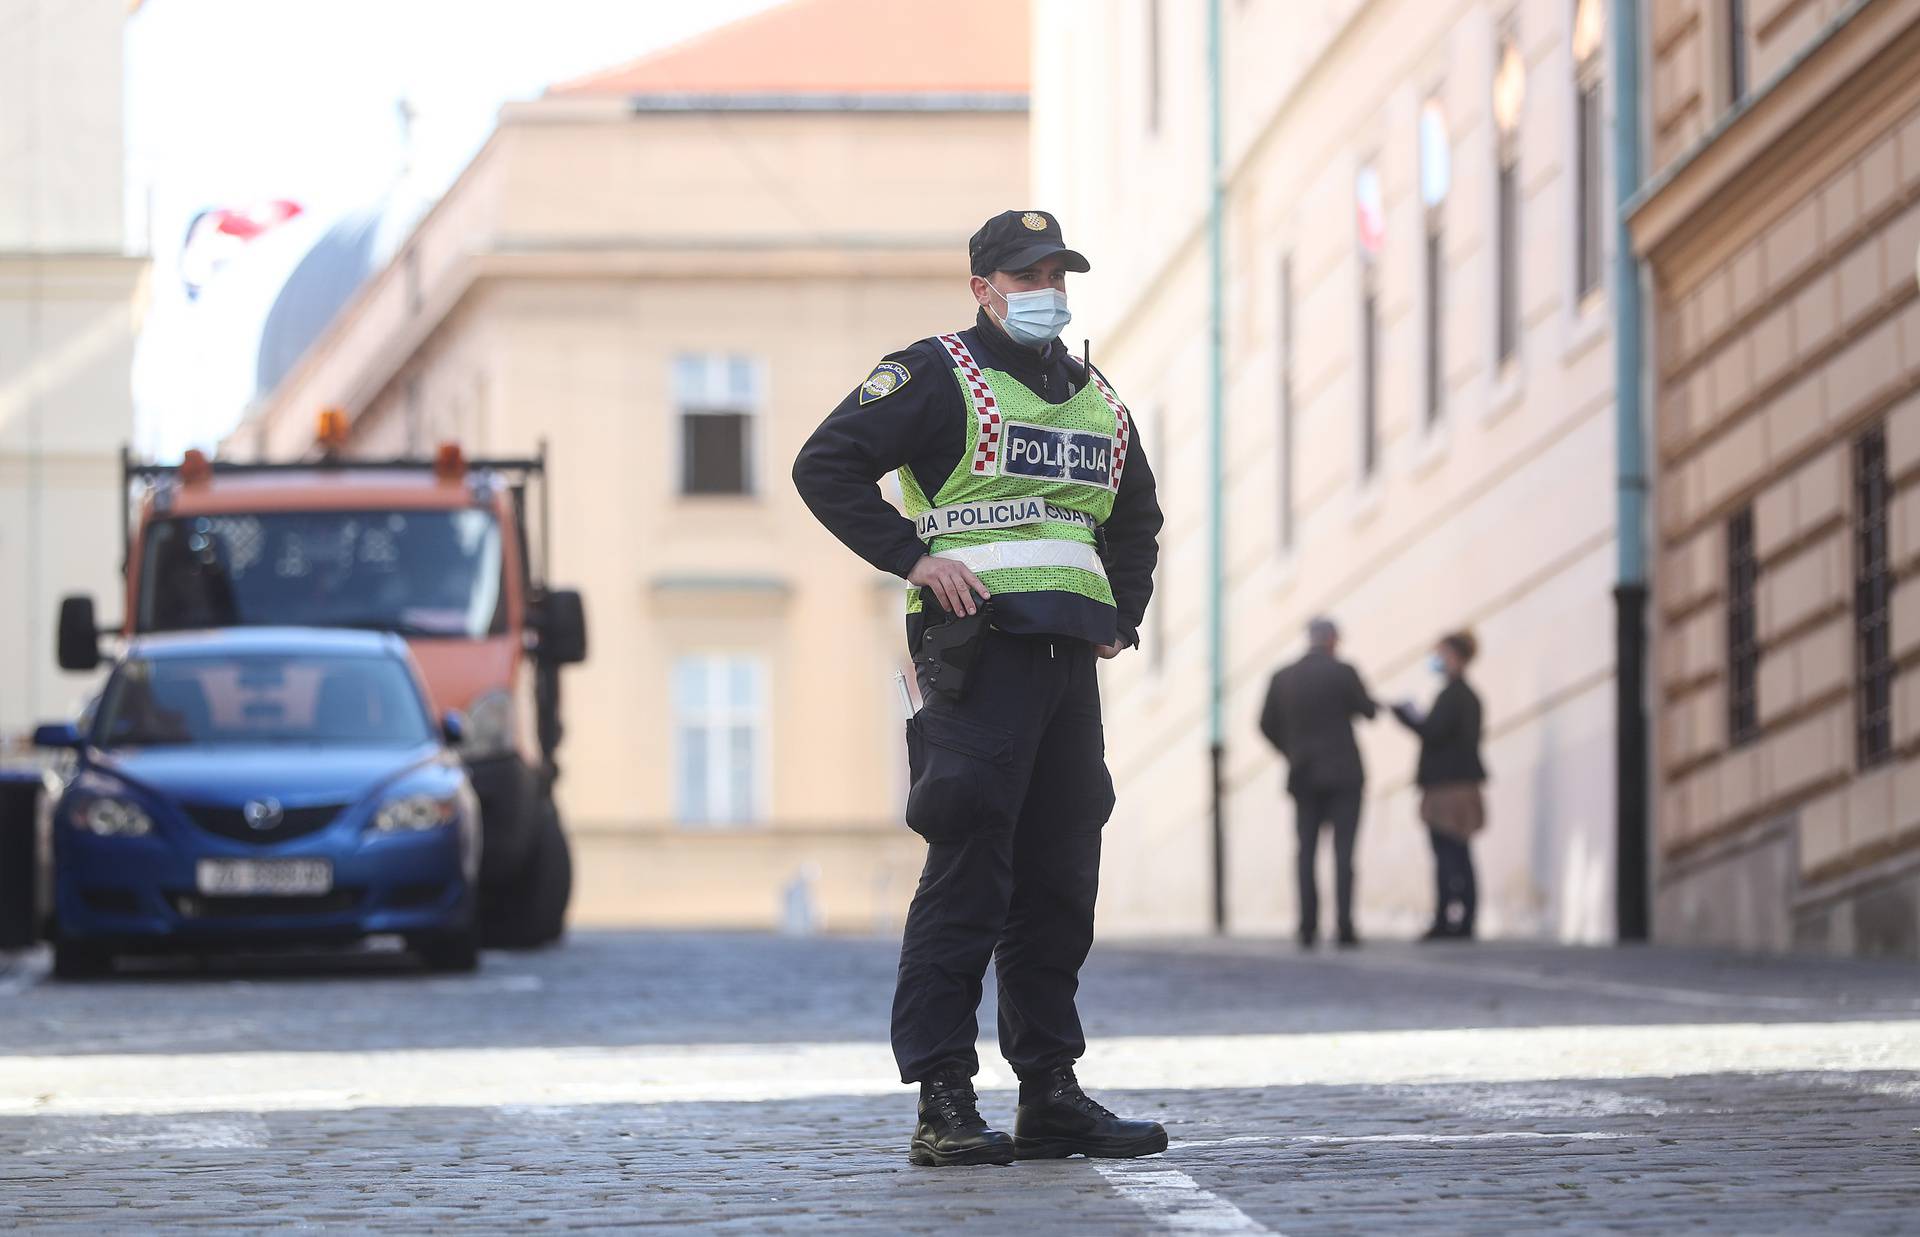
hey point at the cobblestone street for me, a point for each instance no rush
(742, 1084)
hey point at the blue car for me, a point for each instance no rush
(235, 790)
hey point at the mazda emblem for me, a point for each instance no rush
(263, 814)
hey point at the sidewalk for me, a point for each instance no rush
(742, 1083)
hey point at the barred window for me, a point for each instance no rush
(1369, 378)
(1508, 292)
(1436, 178)
(1743, 644)
(1436, 369)
(1590, 133)
(1736, 50)
(1153, 66)
(1371, 214)
(1509, 97)
(1873, 586)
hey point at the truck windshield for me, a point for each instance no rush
(418, 573)
(261, 698)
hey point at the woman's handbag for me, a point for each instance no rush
(1456, 809)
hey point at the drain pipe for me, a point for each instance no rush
(1632, 920)
(1216, 450)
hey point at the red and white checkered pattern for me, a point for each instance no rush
(986, 451)
(1124, 433)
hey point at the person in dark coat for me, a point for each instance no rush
(1308, 717)
(1450, 776)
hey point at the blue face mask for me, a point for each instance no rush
(1437, 664)
(1034, 318)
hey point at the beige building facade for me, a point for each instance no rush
(1781, 233)
(1419, 429)
(69, 299)
(669, 275)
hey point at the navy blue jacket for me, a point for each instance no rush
(922, 424)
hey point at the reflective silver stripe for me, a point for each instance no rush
(1002, 555)
(995, 513)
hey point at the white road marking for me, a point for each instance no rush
(1694, 997)
(644, 1074)
(1176, 1200)
(111, 1135)
(480, 985)
(1276, 1140)
(1905, 1089)
(1532, 1103)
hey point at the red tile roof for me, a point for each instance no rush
(839, 47)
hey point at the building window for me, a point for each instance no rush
(1743, 642)
(1153, 66)
(410, 267)
(1507, 294)
(1286, 403)
(1590, 134)
(1436, 178)
(1872, 589)
(1370, 209)
(1369, 378)
(1436, 317)
(720, 738)
(718, 399)
(1509, 98)
(1736, 50)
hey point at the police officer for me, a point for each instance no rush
(1030, 503)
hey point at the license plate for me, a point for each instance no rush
(286, 877)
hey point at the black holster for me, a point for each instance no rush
(949, 650)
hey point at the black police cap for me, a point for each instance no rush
(1013, 240)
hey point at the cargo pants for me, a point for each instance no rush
(1011, 790)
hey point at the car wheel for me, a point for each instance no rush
(531, 909)
(78, 960)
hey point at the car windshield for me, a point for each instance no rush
(335, 700)
(418, 573)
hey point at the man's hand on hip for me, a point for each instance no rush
(952, 582)
(1110, 651)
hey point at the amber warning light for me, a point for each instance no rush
(448, 463)
(331, 432)
(195, 467)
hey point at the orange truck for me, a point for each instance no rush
(437, 551)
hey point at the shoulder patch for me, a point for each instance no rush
(886, 378)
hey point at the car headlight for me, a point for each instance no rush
(110, 816)
(489, 727)
(415, 812)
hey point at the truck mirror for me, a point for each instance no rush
(453, 727)
(56, 734)
(563, 627)
(79, 636)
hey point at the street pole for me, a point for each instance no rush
(1632, 921)
(1216, 448)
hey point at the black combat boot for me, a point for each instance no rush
(1056, 1120)
(951, 1130)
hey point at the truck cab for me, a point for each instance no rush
(436, 551)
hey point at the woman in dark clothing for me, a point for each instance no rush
(1450, 775)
